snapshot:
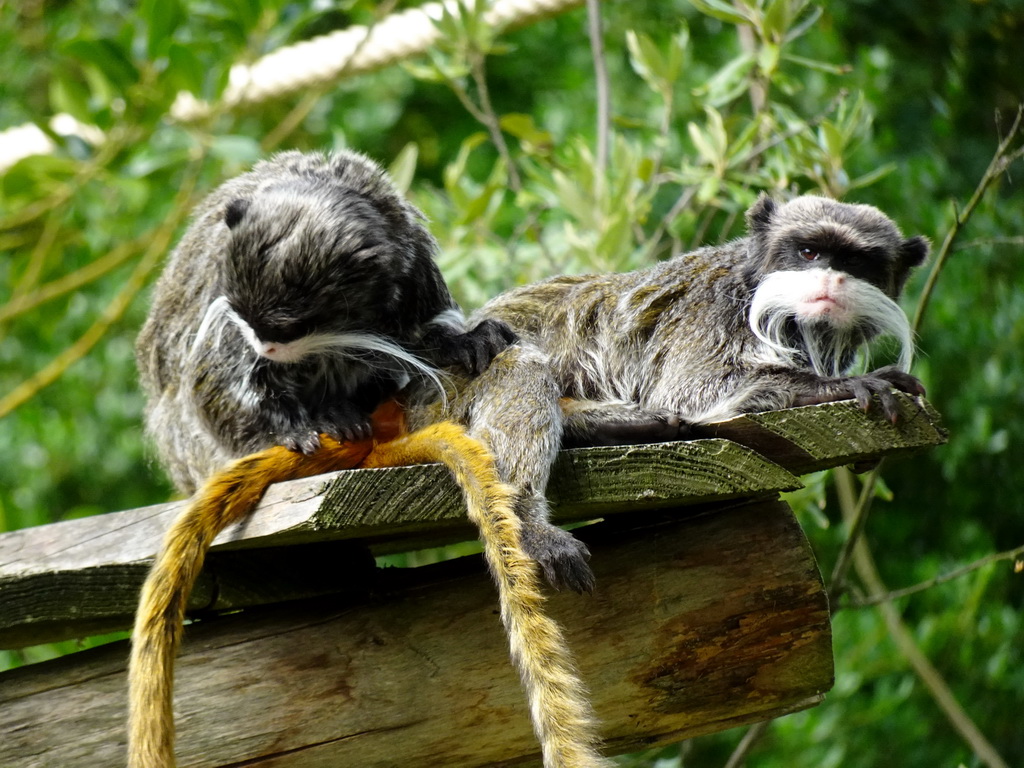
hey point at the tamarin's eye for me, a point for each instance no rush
(809, 253)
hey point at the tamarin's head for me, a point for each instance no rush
(818, 233)
(824, 277)
(308, 257)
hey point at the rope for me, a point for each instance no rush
(322, 60)
(355, 50)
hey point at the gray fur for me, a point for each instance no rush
(303, 293)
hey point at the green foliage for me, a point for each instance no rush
(493, 133)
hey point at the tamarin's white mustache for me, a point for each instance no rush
(350, 345)
(866, 312)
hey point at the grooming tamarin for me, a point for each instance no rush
(303, 293)
(771, 320)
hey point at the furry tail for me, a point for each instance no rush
(562, 717)
(225, 498)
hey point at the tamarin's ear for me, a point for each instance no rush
(913, 251)
(760, 215)
(235, 211)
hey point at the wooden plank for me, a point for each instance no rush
(83, 576)
(817, 437)
(696, 625)
(68, 604)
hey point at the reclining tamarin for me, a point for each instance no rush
(770, 320)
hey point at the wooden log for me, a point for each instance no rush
(696, 625)
(83, 576)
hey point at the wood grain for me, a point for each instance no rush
(830, 435)
(697, 625)
(83, 576)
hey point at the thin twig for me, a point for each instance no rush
(603, 93)
(44, 245)
(72, 281)
(753, 734)
(859, 516)
(1001, 160)
(478, 66)
(956, 573)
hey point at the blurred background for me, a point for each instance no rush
(503, 136)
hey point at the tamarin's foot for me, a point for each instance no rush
(592, 423)
(342, 421)
(561, 556)
(879, 383)
(472, 350)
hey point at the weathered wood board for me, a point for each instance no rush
(697, 625)
(834, 434)
(80, 577)
(83, 576)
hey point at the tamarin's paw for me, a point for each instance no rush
(904, 382)
(345, 422)
(304, 441)
(561, 556)
(864, 389)
(475, 349)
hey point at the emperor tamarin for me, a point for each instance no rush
(302, 294)
(771, 320)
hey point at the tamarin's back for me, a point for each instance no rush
(770, 320)
(613, 336)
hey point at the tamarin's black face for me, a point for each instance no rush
(301, 262)
(825, 273)
(815, 233)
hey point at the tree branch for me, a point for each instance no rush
(938, 688)
(1001, 160)
(956, 573)
(603, 97)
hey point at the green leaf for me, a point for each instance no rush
(69, 94)
(403, 167)
(872, 176)
(704, 146)
(162, 18)
(646, 59)
(729, 82)
(455, 171)
(831, 139)
(532, 139)
(241, 150)
(776, 21)
(800, 29)
(720, 10)
(717, 133)
(184, 69)
(108, 58)
(768, 58)
(818, 66)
